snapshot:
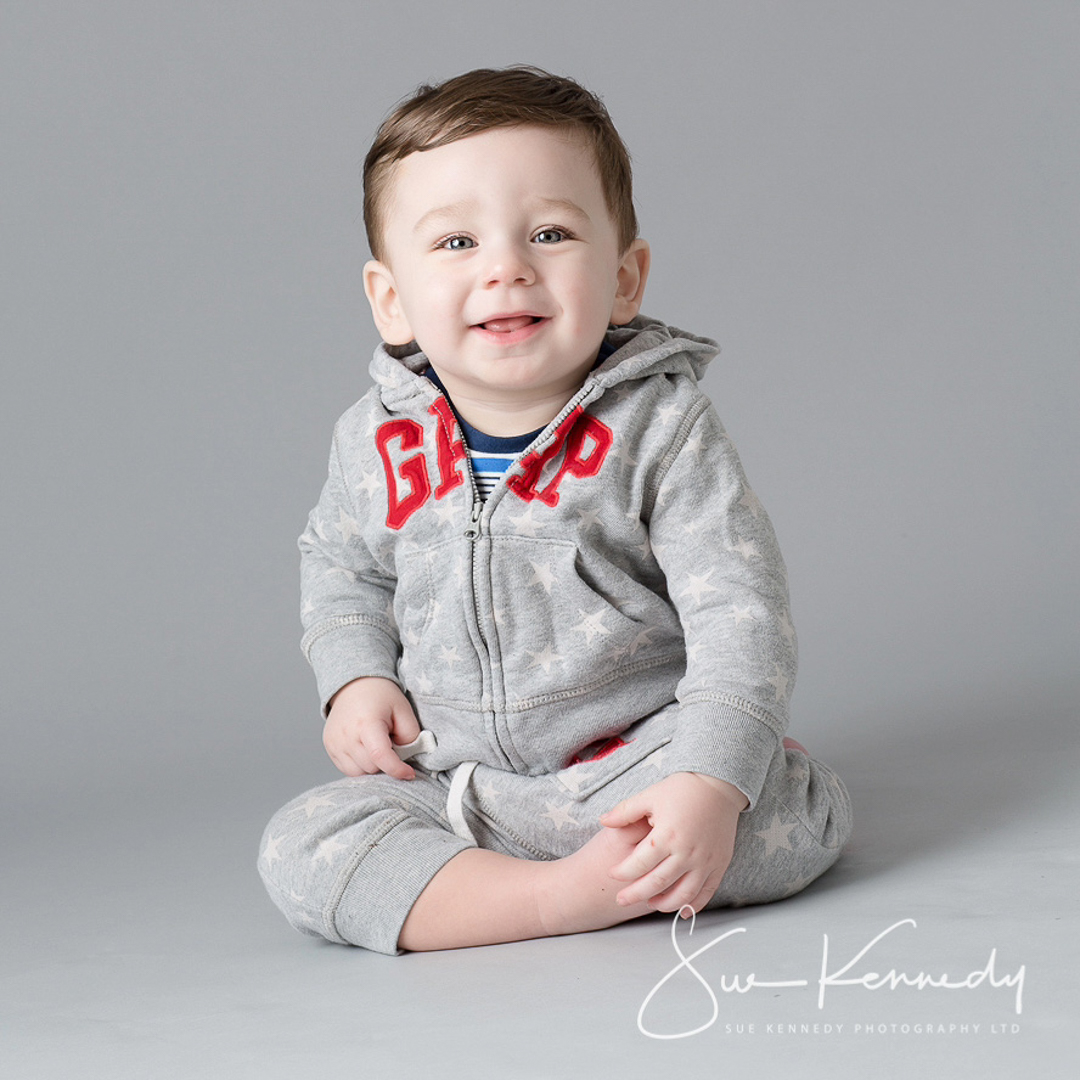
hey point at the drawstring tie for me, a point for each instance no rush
(455, 800)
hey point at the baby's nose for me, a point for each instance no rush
(510, 265)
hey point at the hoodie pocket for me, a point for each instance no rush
(597, 765)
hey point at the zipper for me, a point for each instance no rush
(473, 534)
(473, 531)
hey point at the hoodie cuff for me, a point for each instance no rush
(346, 651)
(725, 742)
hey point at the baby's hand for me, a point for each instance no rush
(686, 853)
(364, 715)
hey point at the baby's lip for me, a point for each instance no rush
(510, 321)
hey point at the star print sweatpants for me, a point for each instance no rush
(347, 860)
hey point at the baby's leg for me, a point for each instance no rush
(484, 897)
(347, 860)
(372, 861)
(794, 833)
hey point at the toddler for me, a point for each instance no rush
(547, 614)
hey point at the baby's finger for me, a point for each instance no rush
(646, 856)
(624, 813)
(376, 744)
(686, 892)
(652, 884)
(406, 726)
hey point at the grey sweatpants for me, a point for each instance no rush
(346, 861)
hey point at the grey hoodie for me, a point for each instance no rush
(622, 564)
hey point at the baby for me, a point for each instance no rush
(547, 614)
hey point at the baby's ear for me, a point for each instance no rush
(386, 310)
(631, 278)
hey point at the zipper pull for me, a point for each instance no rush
(473, 531)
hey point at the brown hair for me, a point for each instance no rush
(492, 98)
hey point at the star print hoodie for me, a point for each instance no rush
(621, 566)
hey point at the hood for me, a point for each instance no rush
(643, 347)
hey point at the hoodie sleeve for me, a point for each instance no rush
(347, 598)
(726, 578)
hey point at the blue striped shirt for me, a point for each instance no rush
(491, 455)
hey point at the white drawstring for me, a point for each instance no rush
(424, 743)
(454, 801)
(455, 809)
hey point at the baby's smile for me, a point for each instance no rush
(510, 329)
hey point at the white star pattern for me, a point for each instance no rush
(307, 607)
(798, 772)
(624, 457)
(313, 804)
(746, 548)
(490, 792)
(742, 614)
(693, 650)
(694, 446)
(787, 631)
(347, 526)
(750, 501)
(423, 683)
(524, 524)
(613, 657)
(656, 760)
(544, 659)
(779, 682)
(777, 836)
(560, 815)
(449, 654)
(444, 511)
(792, 887)
(542, 575)
(573, 777)
(587, 519)
(320, 530)
(369, 483)
(350, 574)
(641, 640)
(329, 848)
(698, 586)
(270, 852)
(591, 625)
(667, 414)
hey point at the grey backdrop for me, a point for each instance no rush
(874, 207)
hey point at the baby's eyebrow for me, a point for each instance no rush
(562, 206)
(440, 213)
(541, 204)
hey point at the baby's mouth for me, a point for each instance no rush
(509, 325)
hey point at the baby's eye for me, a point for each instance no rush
(457, 243)
(551, 236)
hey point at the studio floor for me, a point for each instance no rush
(140, 944)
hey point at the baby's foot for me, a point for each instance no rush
(579, 892)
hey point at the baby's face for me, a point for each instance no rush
(503, 263)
